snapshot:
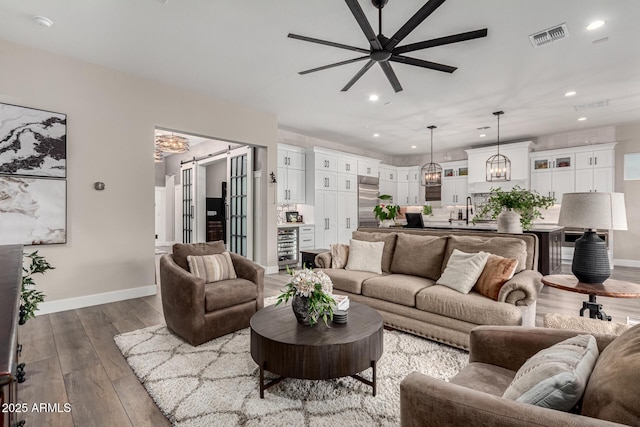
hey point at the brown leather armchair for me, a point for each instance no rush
(474, 396)
(198, 311)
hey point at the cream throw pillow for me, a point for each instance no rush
(212, 268)
(365, 256)
(556, 377)
(463, 270)
(339, 255)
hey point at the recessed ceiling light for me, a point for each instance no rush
(375, 135)
(482, 135)
(373, 97)
(414, 146)
(570, 93)
(582, 119)
(595, 25)
(44, 21)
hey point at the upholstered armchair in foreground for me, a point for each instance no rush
(474, 396)
(198, 311)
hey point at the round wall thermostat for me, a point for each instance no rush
(99, 186)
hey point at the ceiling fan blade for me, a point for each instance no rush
(358, 75)
(357, 12)
(327, 43)
(324, 67)
(391, 76)
(422, 63)
(440, 41)
(413, 22)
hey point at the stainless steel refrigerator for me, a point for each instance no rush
(368, 189)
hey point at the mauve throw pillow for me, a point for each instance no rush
(496, 272)
(339, 255)
(555, 377)
(182, 250)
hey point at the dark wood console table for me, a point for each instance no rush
(281, 345)
(610, 288)
(11, 372)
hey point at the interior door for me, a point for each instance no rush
(187, 181)
(240, 201)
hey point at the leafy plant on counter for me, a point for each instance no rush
(427, 210)
(525, 202)
(388, 211)
(30, 296)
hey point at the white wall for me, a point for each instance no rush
(110, 137)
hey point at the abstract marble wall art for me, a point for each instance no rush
(32, 210)
(32, 142)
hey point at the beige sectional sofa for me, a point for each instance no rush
(407, 298)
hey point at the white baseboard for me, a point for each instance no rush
(158, 243)
(626, 262)
(48, 307)
(271, 269)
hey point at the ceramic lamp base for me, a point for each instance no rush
(590, 259)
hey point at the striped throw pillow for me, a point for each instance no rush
(212, 268)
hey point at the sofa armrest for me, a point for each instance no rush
(510, 346)
(427, 401)
(249, 270)
(522, 288)
(323, 260)
(182, 295)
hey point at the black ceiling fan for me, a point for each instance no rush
(383, 49)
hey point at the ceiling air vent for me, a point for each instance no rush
(549, 35)
(591, 105)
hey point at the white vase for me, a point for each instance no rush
(386, 223)
(509, 222)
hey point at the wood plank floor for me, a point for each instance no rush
(71, 356)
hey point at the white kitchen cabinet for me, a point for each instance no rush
(368, 168)
(403, 194)
(348, 183)
(595, 168)
(306, 237)
(518, 154)
(347, 165)
(388, 183)
(594, 179)
(326, 180)
(454, 190)
(347, 206)
(408, 188)
(326, 162)
(388, 173)
(326, 218)
(552, 173)
(415, 194)
(595, 158)
(291, 175)
(388, 187)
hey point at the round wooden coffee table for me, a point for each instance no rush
(281, 345)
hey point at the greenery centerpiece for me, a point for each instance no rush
(30, 296)
(310, 291)
(387, 211)
(427, 210)
(527, 203)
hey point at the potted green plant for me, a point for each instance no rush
(310, 291)
(30, 296)
(427, 210)
(386, 213)
(514, 207)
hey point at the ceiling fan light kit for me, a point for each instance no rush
(498, 165)
(383, 50)
(431, 173)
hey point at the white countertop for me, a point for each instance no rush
(484, 226)
(293, 224)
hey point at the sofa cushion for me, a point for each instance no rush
(227, 293)
(365, 256)
(182, 250)
(212, 268)
(396, 288)
(496, 272)
(348, 280)
(484, 377)
(555, 377)
(389, 240)
(463, 270)
(507, 247)
(472, 307)
(419, 255)
(612, 392)
(339, 255)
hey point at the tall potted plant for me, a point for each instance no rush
(30, 296)
(515, 209)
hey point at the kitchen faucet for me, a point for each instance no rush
(469, 209)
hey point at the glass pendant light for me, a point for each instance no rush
(431, 172)
(498, 165)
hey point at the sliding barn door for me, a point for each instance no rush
(240, 201)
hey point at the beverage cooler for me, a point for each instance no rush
(287, 246)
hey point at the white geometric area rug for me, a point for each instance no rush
(216, 384)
